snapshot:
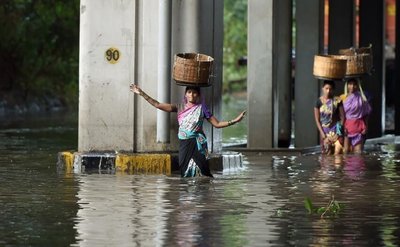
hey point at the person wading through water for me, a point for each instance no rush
(329, 118)
(193, 152)
(357, 109)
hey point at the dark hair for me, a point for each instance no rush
(194, 88)
(329, 82)
(354, 80)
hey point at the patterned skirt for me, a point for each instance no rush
(192, 163)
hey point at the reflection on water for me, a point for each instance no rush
(261, 205)
(117, 210)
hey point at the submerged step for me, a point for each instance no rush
(111, 162)
(137, 163)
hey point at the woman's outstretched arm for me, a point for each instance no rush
(162, 106)
(217, 124)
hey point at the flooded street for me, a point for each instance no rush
(259, 205)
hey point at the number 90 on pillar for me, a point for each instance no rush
(112, 55)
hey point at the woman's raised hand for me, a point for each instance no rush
(239, 117)
(135, 88)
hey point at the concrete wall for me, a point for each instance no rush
(110, 117)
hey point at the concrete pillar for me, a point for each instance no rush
(372, 32)
(397, 71)
(341, 25)
(260, 75)
(146, 76)
(211, 42)
(309, 36)
(105, 103)
(282, 77)
(269, 73)
(186, 24)
(110, 117)
(164, 68)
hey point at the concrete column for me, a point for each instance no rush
(269, 73)
(308, 43)
(282, 72)
(372, 32)
(211, 42)
(106, 106)
(260, 75)
(164, 68)
(110, 116)
(186, 25)
(147, 76)
(341, 25)
(397, 71)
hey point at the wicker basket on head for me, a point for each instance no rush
(357, 65)
(354, 51)
(329, 68)
(193, 69)
(359, 60)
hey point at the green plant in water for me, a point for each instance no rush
(331, 210)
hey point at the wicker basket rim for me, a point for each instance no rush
(355, 55)
(186, 84)
(329, 57)
(190, 56)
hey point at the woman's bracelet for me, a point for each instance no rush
(230, 122)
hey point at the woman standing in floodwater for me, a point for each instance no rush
(357, 110)
(193, 151)
(329, 118)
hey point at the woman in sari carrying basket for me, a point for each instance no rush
(357, 109)
(193, 152)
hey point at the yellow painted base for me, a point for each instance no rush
(126, 163)
(143, 163)
(68, 161)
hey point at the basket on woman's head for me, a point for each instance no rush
(193, 69)
(359, 60)
(329, 68)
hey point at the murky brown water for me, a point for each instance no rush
(260, 205)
